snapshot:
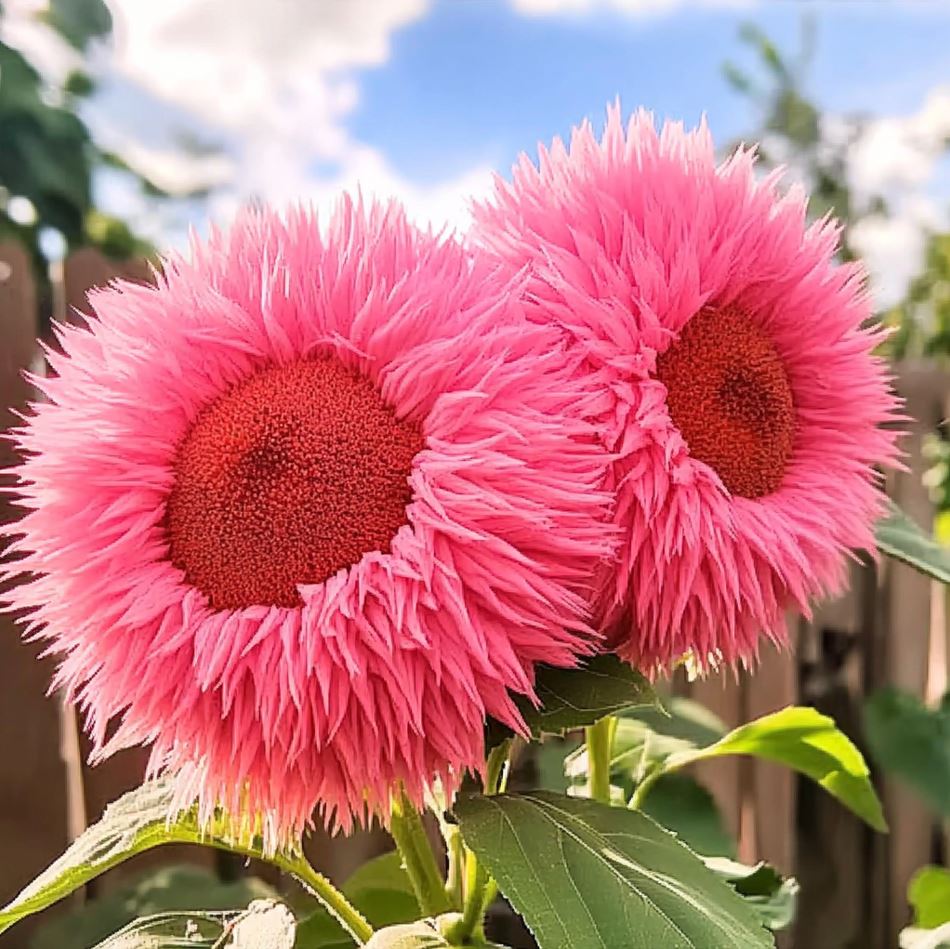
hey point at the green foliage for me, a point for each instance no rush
(79, 22)
(48, 158)
(646, 736)
(929, 895)
(912, 742)
(808, 742)
(169, 889)
(791, 128)
(575, 698)
(922, 318)
(899, 537)
(773, 896)
(649, 746)
(590, 876)
(681, 804)
(136, 822)
(265, 924)
(380, 889)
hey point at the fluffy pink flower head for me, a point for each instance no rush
(740, 396)
(306, 512)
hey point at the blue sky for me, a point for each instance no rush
(425, 99)
(475, 81)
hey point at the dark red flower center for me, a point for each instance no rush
(729, 395)
(293, 474)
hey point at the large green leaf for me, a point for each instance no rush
(178, 888)
(901, 538)
(574, 698)
(774, 897)
(808, 742)
(589, 876)
(912, 742)
(929, 895)
(137, 821)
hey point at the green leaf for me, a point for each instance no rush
(808, 742)
(901, 538)
(193, 929)
(137, 821)
(168, 889)
(682, 718)
(681, 804)
(79, 21)
(774, 898)
(929, 894)
(575, 698)
(385, 872)
(911, 742)
(265, 924)
(590, 876)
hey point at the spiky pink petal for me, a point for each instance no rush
(628, 239)
(385, 670)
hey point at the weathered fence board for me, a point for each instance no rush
(32, 777)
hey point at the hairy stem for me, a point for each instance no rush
(413, 844)
(456, 851)
(480, 888)
(348, 916)
(644, 787)
(600, 739)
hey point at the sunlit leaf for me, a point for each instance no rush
(810, 743)
(901, 538)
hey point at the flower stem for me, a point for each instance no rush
(644, 787)
(348, 916)
(600, 739)
(480, 888)
(456, 852)
(406, 829)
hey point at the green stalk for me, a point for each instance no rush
(600, 740)
(407, 831)
(456, 852)
(644, 787)
(480, 888)
(348, 916)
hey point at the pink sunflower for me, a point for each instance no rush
(307, 512)
(740, 394)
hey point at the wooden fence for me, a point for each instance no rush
(890, 629)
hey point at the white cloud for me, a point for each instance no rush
(896, 157)
(892, 249)
(900, 151)
(273, 82)
(627, 7)
(276, 79)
